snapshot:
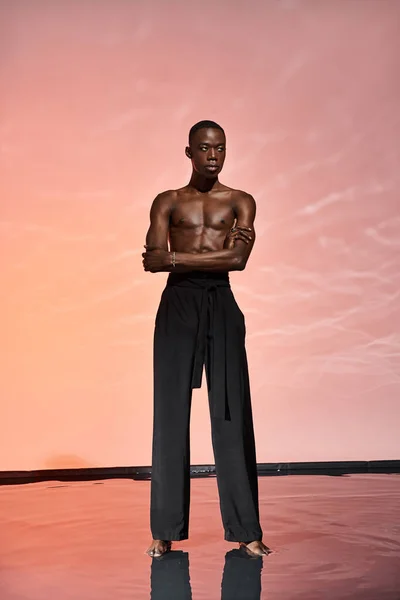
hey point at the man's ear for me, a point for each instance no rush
(188, 152)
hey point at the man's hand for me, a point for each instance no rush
(155, 259)
(237, 233)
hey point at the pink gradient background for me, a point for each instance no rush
(96, 101)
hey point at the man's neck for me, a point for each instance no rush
(203, 184)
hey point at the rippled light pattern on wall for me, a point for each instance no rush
(96, 102)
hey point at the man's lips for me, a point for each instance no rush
(212, 167)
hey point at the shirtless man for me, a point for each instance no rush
(210, 230)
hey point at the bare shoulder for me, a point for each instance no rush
(166, 198)
(163, 203)
(173, 197)
(243, 203)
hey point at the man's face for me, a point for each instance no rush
(207, 151)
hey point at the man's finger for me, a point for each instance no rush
(242, 231)
(243, 238)
(243, 235)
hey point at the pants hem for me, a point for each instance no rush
(171, 537)
(255, 537)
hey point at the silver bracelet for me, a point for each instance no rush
(174, 259)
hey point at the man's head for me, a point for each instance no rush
(206, 149)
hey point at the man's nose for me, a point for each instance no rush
(212, 155)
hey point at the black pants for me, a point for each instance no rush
(199, 323)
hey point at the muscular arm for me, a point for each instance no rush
(234, 259)
(157, 235)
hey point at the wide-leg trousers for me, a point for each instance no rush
(199, 323)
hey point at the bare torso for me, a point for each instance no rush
(199, 222)
(199, 228)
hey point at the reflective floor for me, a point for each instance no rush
(332, 537)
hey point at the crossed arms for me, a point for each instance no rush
(236, 251)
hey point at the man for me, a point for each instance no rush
(210, 231)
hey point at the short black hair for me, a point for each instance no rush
(206, 124)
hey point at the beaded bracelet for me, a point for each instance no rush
(174, 259)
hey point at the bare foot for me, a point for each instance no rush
(158, 548)
(256, 548)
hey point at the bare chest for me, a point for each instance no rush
(203, 213)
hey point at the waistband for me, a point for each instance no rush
(199, 279)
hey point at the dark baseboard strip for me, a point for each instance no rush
(335, 468)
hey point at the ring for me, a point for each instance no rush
(233, 229)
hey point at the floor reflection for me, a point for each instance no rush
(170, 578)
(333, 539)
(241, 578)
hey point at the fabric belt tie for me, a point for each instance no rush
(212, 330)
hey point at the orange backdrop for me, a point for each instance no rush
(96, 101)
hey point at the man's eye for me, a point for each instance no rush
(221, 149)
(204, 148)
